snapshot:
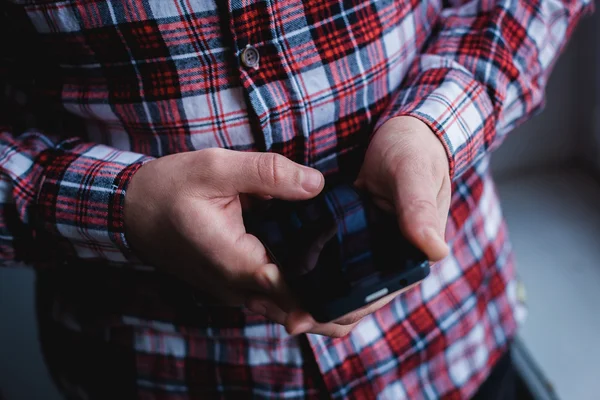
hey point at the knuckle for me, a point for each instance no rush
(211, 155)
(260, 279)
(420, 205)
(423, 210)
(266, 168)
(210, 159)
(272, 168)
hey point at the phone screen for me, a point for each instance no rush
(335, 244)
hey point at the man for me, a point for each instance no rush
(181, 113)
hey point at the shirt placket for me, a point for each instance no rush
(247, 43)
(268, 74)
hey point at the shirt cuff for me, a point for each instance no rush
(82, 198)
(453, 104)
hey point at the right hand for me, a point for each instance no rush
(183, 214)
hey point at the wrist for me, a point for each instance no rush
(136, 214)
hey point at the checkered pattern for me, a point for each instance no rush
(115, 83)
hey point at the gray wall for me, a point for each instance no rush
(562, 133)
(23, 374)
(592, 65)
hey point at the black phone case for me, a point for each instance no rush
(329, 311)
(332, 235)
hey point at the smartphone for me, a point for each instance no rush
(338, 252)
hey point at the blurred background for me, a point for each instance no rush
(548, 175)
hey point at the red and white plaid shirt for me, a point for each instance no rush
(114, 83)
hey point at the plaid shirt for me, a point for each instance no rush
(111, 84)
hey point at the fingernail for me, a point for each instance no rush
(311, 180)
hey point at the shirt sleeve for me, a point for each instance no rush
(61, 197)
(69, 195)
(483, 71)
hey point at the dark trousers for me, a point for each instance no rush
(502, 382)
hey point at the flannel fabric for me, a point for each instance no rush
(95, 88)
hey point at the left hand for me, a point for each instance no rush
(406, 171)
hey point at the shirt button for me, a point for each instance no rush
(250, 57)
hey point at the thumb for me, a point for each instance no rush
(418, 217)
(270, 174)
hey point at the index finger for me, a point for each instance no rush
(272, 283)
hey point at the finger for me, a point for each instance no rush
(243, 260)
(271, 281)
(444, 207)
(299, 322)
(416, 204)
(265, 307)
(259, 274)
(239, 260)
(384, 204)
(225, 296)
(245, 269)
(267, 174)
(355, 316)
(197, 275)
(443, 217)
(236, 257)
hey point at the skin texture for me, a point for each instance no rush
(405, 169)
(183, 213)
